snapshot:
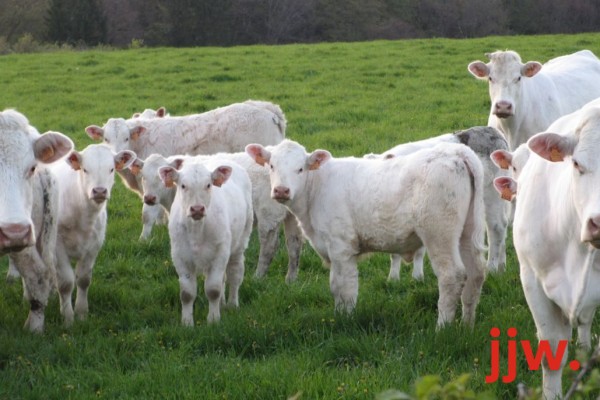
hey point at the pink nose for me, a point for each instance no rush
(150, 199)
(15, 236)
(503, 109)
(197, 212)
(593, 231)
(99, 194)
(281, 193)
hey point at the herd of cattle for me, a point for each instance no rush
(213, 175)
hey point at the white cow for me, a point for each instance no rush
(29, 206)
(269, 213)
(209, 227)
(483, 141)
(85, 183)
(557, 233)
(347, 207)
(527, 98)
(160, 112)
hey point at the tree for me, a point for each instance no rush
(76, 21)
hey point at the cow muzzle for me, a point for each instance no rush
(197, 212)
(150, 199)
(280, 193)
(591, 231)
(99, 194)
(15, 237)
(503, 109)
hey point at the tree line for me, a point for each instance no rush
(239, 22)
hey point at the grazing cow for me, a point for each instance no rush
(85, 183)
(351, 206)
(209, 227)
(29, 206)
(269, 213)
(557, 233)
(527, 98)
(483, 141)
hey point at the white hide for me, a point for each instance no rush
(29, 206)
(209, 227)
(269, 213)
(496, 211)
(85, 181)
(527, 98)
(347, 207)
(556, 232)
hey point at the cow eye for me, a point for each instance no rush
(271, 165)
(31, 171)
(208, 186)
(182, 186)
(578, 167)
(127, 139)
(85, 171)
(518, 80)
(112, 170)
(490, 78)
(106, 140)
(301, 170)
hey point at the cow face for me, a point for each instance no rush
(22, 148)
(289, 166)
(194, 184)
(96, 166)
(116, 134)
(155, 191)
(505, 73)
(580, 152)
(511, 161)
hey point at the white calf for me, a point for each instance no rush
(29, 207)
(557, 233)
(348, 207)
(86, 180)
(209, 227)
(269, 213)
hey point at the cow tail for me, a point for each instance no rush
(476, 217)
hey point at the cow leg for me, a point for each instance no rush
(343, 278)
(293, 240)
(65, 279)
(213, 287)
(37, 285)
(473, 262)
(150, 215)
(418, 260)
(84, 280)
(188, 288)
(496, 223)
(395, 267)
(235, 277)
(268, 237)
(551, 325)
(584, 331)
(13, 273)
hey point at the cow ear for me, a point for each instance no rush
(74, 160)
(502, 158)
(136, 166)
(317, 158)
(551, 146)
(95, 132)
(258, 153)
(506, 186)
(177, 163)
(220, 175)
(123, 159)
(161, 112)
(169, 176)
(531, 68)
(52, 146)
(135, 132)
(479, 69)
(136, 115)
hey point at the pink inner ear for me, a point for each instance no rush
(74, 161)
(256, 152)
(94, 132)
(501, 159)
(479, 69)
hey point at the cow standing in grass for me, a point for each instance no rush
(29, 207)
(209, 227)
(347, 207)
(557, 232)
(86, 181)
(527, 98)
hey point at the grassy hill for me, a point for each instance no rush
(349, 98)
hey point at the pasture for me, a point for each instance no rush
(348, 98)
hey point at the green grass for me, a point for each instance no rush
(348, 98)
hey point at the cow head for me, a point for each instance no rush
(289, 166)
(580, 150)
(160, 112)
(194, 183)
(96, 166)
(155, 191)
(512, 161)
(505, 73)
(116, 134)
(22, 148)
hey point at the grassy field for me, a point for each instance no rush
(348, 98)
